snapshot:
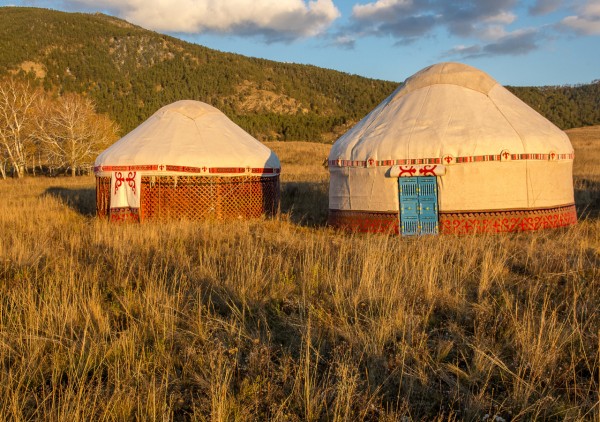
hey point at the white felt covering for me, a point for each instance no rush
(191, 134)
(457, 110)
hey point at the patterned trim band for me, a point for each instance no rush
(125, 214)
(186, 169)
(364, 221)
(461, 222)
(448, 159)
(507, 221)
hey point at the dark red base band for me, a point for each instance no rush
(461, 222)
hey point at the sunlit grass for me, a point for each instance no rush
(285, 319)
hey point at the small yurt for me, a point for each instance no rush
(451, 151)
(188, 160)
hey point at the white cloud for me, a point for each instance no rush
(407, 20)
(516, 43)
(463, 51)
(487, 27)
(503, 17)
(344, 41)
(275, 20)
(380, 10)
(592, 7)
(582, 25)
(544, 7)
(587, 20)
(519, 42)
(492, 32)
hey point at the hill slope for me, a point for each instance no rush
(131, 72)
(566, 106)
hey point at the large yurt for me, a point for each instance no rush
(451, 151)
(188, 160)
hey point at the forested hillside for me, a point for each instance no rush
(130, 72)
(566, 106)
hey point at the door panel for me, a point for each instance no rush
(418, 205)
(409, 206)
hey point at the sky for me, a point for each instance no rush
(522, 43)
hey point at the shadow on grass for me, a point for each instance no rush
(306, 202)
(81, 200)
(587, 198)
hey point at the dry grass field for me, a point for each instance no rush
(288, 320)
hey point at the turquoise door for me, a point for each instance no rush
(418, 205)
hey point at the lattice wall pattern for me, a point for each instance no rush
(199, 197)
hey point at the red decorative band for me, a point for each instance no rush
(364, 221)
(478, 158)
(124, 214)
(461, 222)
(227, 170)
(188, 169)
(184, 169)
(379, 163)
(126, 168)
(449, 159)
(507, 221)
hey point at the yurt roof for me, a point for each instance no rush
(188, 137)
(450, 109)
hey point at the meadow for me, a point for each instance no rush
(285, 319)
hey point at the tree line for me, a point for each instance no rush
(131, 72)
(44, 132)
(567, 106)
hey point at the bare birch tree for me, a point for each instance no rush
(71, 134)
(18, 101)
(3, 162)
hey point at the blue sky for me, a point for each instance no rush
(535, 42)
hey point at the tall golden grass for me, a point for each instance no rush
(287, 320)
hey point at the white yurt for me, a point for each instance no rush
(188, 160)
(451, 151)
